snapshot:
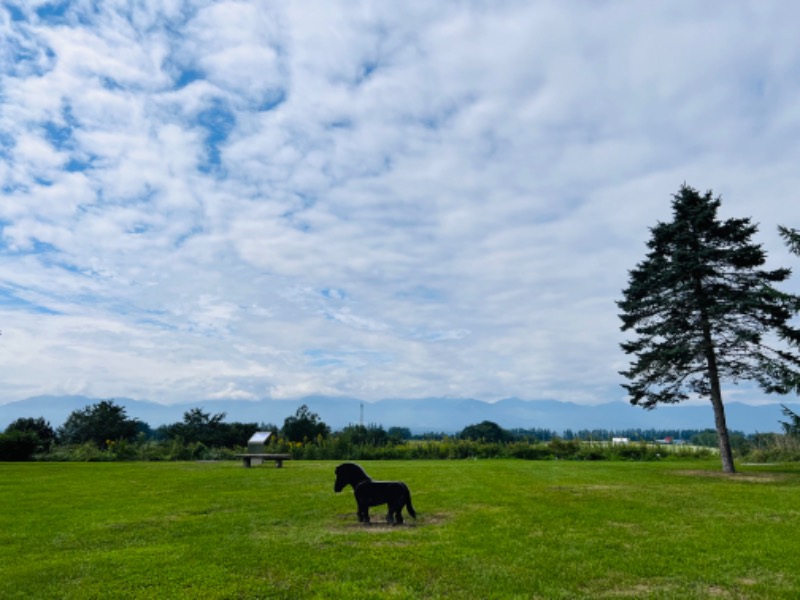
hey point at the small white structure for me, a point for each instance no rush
(255, 445)
(619, 440)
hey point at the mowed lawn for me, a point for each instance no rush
(486, 529)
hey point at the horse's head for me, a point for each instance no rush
(348, 474)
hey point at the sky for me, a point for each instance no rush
(252, 200)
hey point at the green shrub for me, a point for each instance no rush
(634, 452)
(564, 449)
(337, 448)
(18, 445)
(528, 451)
(152, 451)
(86, 452)
(776, 448)
(593, 453)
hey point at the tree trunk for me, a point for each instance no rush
(725, 453)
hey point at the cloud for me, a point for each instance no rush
(228, 199)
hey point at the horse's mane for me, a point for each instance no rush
(353, 469)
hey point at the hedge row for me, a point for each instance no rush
(338, 449)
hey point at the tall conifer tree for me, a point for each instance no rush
(703, 310)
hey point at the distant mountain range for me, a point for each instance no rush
(448, 415)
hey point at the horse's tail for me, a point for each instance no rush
(409, 507)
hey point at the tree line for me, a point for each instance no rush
(104, 431)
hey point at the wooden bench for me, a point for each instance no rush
(278, 458)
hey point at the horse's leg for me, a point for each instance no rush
(363, 513)
(398, 508)
(395, 516)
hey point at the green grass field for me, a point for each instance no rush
(486, 529)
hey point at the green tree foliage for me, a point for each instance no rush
(361, 435)
(99, 424)
(792, 426)
(399, 434)
(789, 334)
(304, 425)
(18, 445)
(700, 306)
(486, 431)
(537, 433)
(39, 427)
(792, 238)
(197, 426)
(740, 443)
(200, 427)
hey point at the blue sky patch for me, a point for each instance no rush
(181, 240)
(109, 83)
(53, 11)
(351, 358)
(322, 358)
(368, 67)
(40, 247)
(218, 120)
(156, 323)
(140, 228)
(188, 76)
(273, 100)
(15, 12)
(422, 293)
(10, 299)
(76, 165)
(42, 181)
(26, 57)
(59, 136)
(344, 123)
(7, 143)
(333, 294)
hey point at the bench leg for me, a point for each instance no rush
(278, 463)
(246, 461)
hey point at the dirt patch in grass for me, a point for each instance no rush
(608, 589)
(636, 591)
(350, 522)
(745, 477)
(582, 490)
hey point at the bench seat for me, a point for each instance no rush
(278, 458)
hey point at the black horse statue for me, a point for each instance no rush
(372, 493)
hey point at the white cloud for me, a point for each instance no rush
(225, 199)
